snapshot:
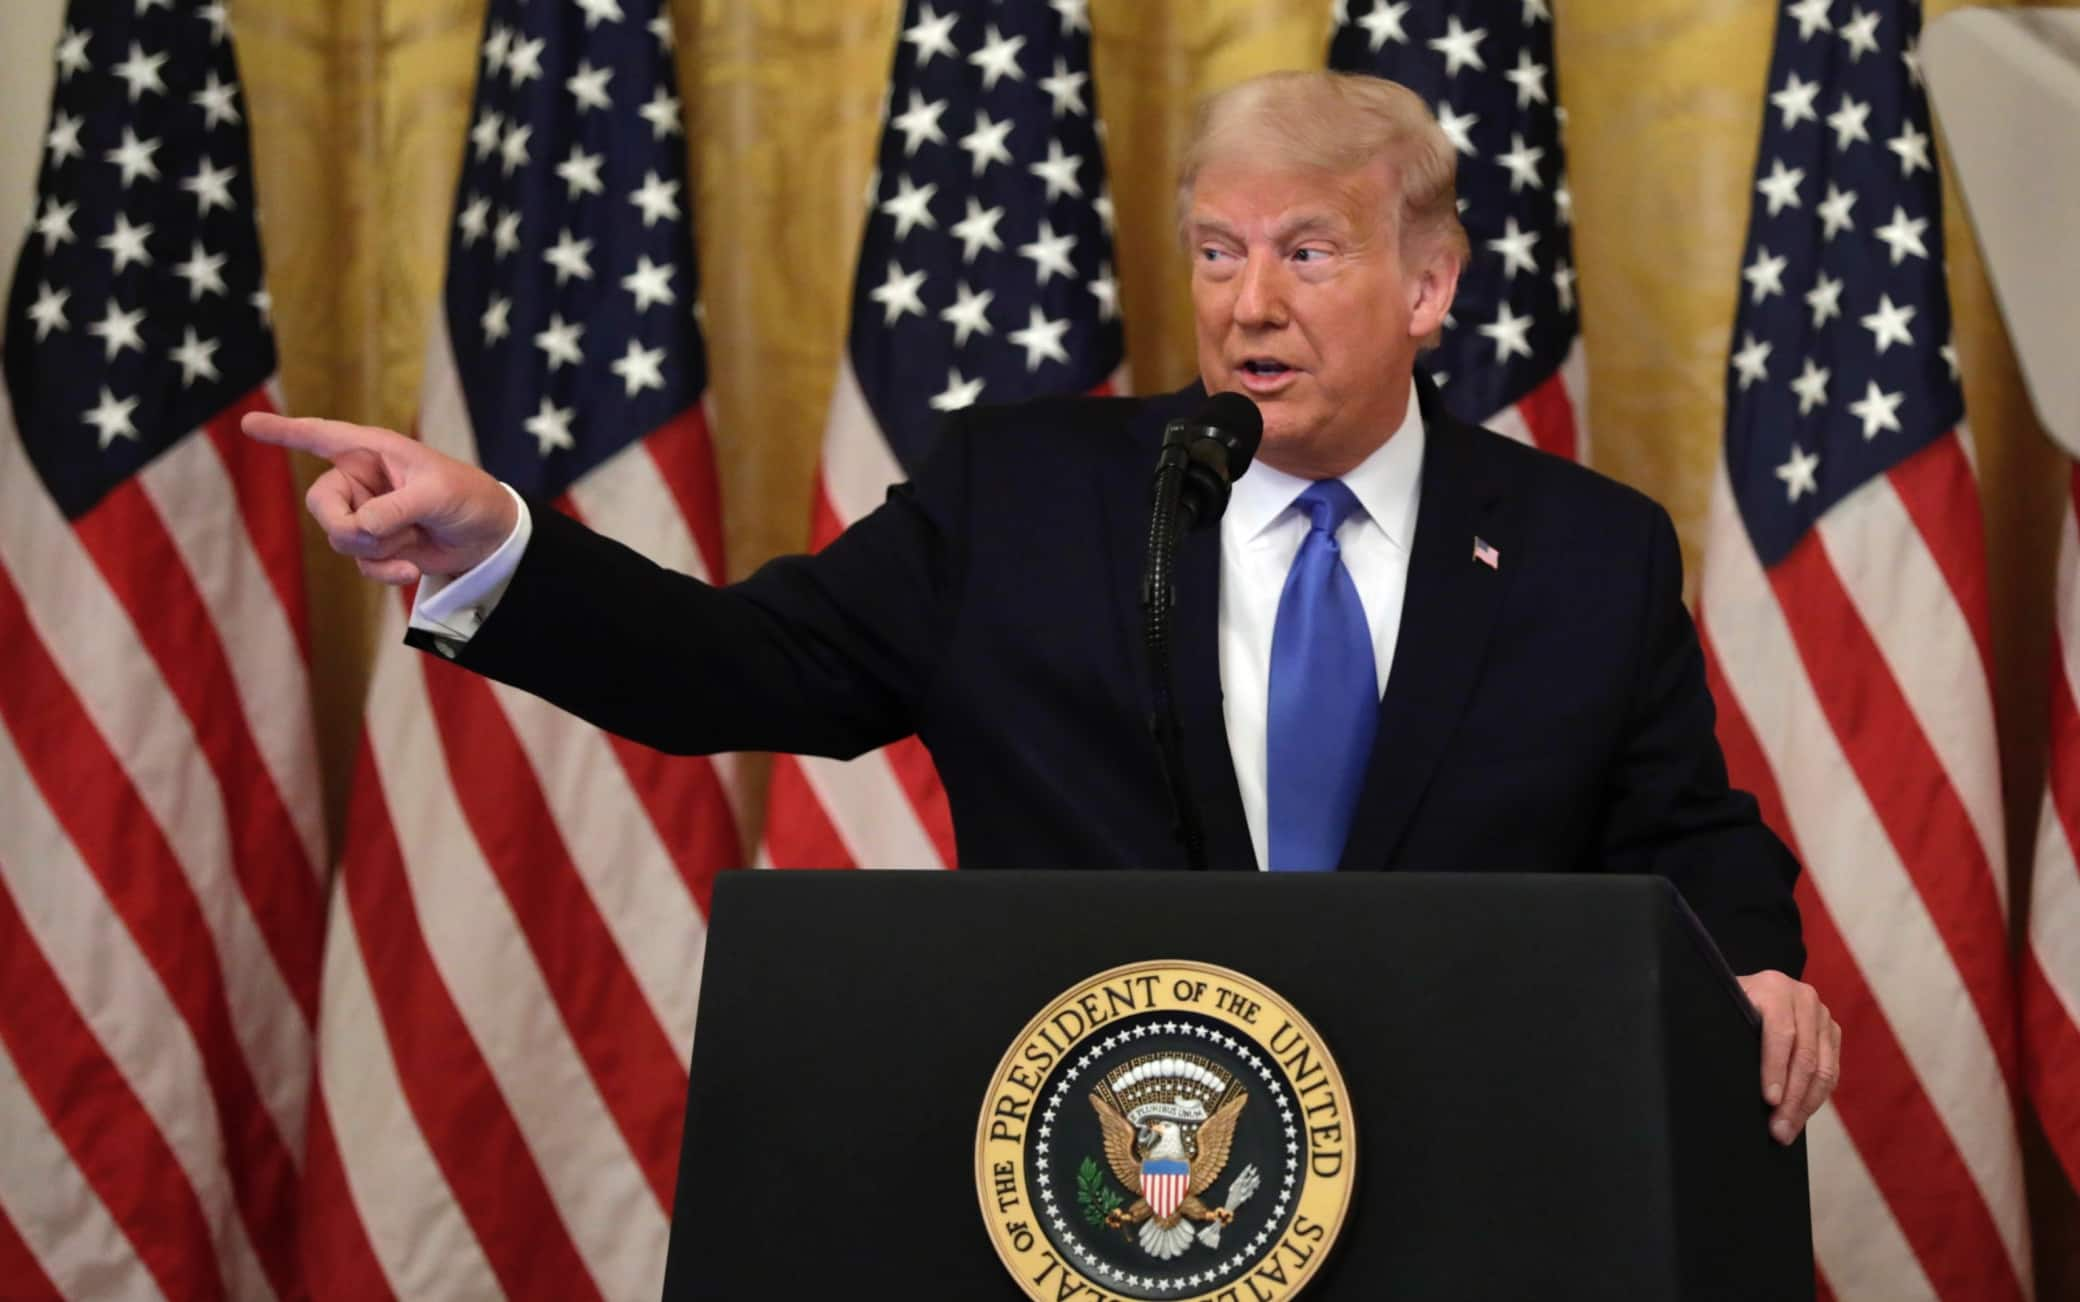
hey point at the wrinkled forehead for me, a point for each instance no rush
(1249, 196)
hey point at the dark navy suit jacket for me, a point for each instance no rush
(1548, 713)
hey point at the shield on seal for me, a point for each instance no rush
(1164, 1182)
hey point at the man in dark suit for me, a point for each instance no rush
(1424, 646)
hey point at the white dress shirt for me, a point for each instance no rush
(1260, 535)
(454, 608)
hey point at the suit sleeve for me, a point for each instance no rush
(821, 655)
(1671, 810)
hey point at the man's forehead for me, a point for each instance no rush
(1231, 194)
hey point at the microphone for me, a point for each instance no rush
(1217, 443)
(1202, 457)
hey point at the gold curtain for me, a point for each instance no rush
(359, 109)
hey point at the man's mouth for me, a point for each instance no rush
(1265, 376)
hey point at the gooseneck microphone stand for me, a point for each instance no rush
(1158, 606)
(1200, 460)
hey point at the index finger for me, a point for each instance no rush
(329, 439)
(1779, 1033)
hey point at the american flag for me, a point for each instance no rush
(1845, 617)
(2051, 958)
(161, 847)
(985, 275)
(1511, 356)
(510, 983)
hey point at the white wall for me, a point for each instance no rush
(28, 34)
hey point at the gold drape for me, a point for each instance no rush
(359, 108)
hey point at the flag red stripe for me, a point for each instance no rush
(112, 1139)
(798, 833)
(1910, 1154)
(2051, 1041)
(2051, 1056)
(2062, 762)
(135, 553)
(1747, 766)
(1903, 1142)
(912, 765)
(91, 796)
(825, 523)
(467, 1125)
(685, 459)
(20, 1273)
(695, 822)
(1548, 413)
(338, 1259)
(262, 482)
(683, 795)
(1941, 496)
(631, 1059)
(1905, 781)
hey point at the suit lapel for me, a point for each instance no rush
(1195, 637)
(1447, 615)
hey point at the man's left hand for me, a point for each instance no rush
(1801, 1049)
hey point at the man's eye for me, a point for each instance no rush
(1310, 255)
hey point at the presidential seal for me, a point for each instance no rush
(1165, 1130)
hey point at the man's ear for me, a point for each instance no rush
(1431, 290)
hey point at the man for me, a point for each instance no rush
(1425, 646)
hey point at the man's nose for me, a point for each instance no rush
(1261, 300)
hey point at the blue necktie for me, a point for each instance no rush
(1324, 701)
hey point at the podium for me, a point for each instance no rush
(1553, 1080)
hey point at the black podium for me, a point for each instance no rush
(1554, 1079)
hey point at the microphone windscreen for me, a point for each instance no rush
(1238, 418)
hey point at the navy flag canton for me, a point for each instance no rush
(986, 272)
(1486, 70)
(1841, 365)
(137, 311)
(572, 293)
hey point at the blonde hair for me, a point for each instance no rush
(1337, 123)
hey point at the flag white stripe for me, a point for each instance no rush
(259, 642)
(858, 467)
(484, 959)
(444, 423)
(1509, 422)
(1856, 1242)
(1574, 377)
(1856, 871)
(1913, 614)
(625, 498)
(2054, 918)
(627, 871)
(862, 798)
(112, 986)
(2067, 605)
(870, 811)
(97, 649)
(415, 1227)
(58, 1215)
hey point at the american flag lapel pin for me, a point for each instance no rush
(1486, 554)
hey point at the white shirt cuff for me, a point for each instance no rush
(453, 607)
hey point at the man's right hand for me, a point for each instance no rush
(399, 508)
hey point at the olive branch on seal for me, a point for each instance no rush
(1093, 1194)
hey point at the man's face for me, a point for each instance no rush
(1303, 303)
